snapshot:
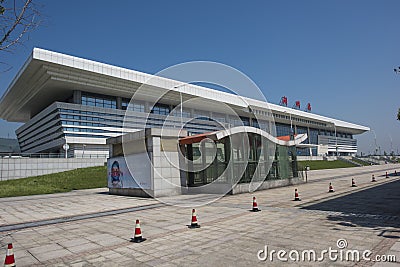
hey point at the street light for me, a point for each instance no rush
(66, 147)
(291, 124)
(83, 153)
(181, 106)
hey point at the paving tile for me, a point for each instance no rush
(45, 256)
(229, 236)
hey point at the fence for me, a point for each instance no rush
(51, 155)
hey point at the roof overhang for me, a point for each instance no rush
(47, 77)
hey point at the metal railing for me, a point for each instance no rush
(50, 155)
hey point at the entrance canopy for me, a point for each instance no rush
(218, 135)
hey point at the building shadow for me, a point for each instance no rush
(373, 207)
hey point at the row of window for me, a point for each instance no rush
(126, 105)
(284, 129)
(162, 109)
(98, 101)
(287, 117)
(84, 123)
(39, 141)
(84, 112)
(87, 118)
(86, 135)
(36, 125)
(88, 130)
(38, 136)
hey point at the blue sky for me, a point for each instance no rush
(338, 55)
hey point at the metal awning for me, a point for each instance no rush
(218, 135)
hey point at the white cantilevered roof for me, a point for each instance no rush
(49, 76)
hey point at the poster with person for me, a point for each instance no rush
(138, 175)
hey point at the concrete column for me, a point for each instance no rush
(119, 102)
(77, 97)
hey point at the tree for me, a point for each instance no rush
(17, 19)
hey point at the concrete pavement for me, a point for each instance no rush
(366, 216)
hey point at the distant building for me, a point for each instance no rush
(8, 145)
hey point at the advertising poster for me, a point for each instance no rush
(138, 176)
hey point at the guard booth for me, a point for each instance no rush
(158, 162)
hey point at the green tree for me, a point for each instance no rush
(398, 115)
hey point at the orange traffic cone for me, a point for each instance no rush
(373, 178)
(10, 261)
(137, 236)
(296, 195)
(387, 176)
(353, 184)
(194, 223)
(255, 206)
(331, 188)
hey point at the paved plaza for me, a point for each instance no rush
(93, 228)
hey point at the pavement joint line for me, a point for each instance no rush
(348, 192)
(160, 235)
(321, 212)
(32, 224)
(167, 233)
(32, 255)
(380, 246)
(380, 249)
(24, 225)
(346, 175)
(38, 197)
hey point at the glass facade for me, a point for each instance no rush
(242, 157)
(161, 109)
(97, 122)
(177, 113)
(98, 100)
(132, 106)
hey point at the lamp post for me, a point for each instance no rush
(291, 125)
(66, 147)
(180, 95)
(83, 152)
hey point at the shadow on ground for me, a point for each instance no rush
(374, 207)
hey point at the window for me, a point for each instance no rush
(246, 121)
(132, 106)
(255, 123)
(160, 109)
(201, 115)
(282, 129)
(102, 101)
(177, 113)
(219, 117)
